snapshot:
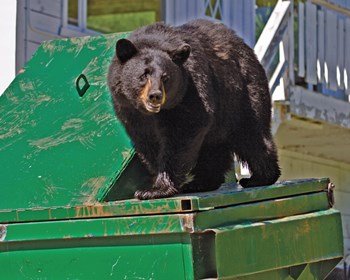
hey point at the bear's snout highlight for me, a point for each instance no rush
(152, 99)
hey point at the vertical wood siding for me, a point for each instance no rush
(324, 44)
(38, 21)
(236, 14)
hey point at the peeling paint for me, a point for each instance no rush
(93, 210)
(90, 189)
(51, 48)
(126, 153)
(3, 232)
(187, 223)
(72, 130)
(16, 121)
(319, 107)
(25, 85)
(79, 43)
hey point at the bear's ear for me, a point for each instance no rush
(125, 50)
(181, 54)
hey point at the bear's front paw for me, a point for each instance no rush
(155, 193)
(163, 187)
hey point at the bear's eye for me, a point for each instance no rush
(145, 75)
(165, 77)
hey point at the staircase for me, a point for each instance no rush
(304, 48)
(311, 91)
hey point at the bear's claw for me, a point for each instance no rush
(155, 193)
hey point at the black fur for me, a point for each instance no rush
(217, 104)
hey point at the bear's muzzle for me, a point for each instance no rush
(152, 99)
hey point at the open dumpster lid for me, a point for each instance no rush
(60, 142)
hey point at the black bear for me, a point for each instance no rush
(191, 97)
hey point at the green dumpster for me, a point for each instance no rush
(68, 173)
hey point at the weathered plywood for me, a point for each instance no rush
(331, 45)
(347, 248)
(53, 9)
(301, 38)
(237, 17)
(346, 224)
(31, 48)
(347, 56)
(311, 43)
(169, 8)
(342, 199)
(320, 46)
(340, 54)
(41, 27)
(317, 107)
(20, 35)
(248, 24)
(180, 13)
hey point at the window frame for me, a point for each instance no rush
(70, 30)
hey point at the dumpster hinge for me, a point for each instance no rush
(330, 194)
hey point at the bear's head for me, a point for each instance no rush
(148, 78)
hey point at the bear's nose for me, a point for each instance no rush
(155, 96)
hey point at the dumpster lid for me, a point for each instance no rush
(227, 195)
(60, 142)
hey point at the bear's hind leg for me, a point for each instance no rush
(262, 160)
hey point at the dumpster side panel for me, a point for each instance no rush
(274, 244)
(117, 258)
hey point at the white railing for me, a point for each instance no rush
(324, 47)
(276, 42)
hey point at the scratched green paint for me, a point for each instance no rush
(166, 222)
(268, 209)
(96, 228)
(228, 195)
(111, 258)
(57, 148)
(294, 230)
(240, 195)
(282, 242)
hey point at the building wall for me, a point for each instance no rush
(39, 20)
(296, 165)
(7, 43)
